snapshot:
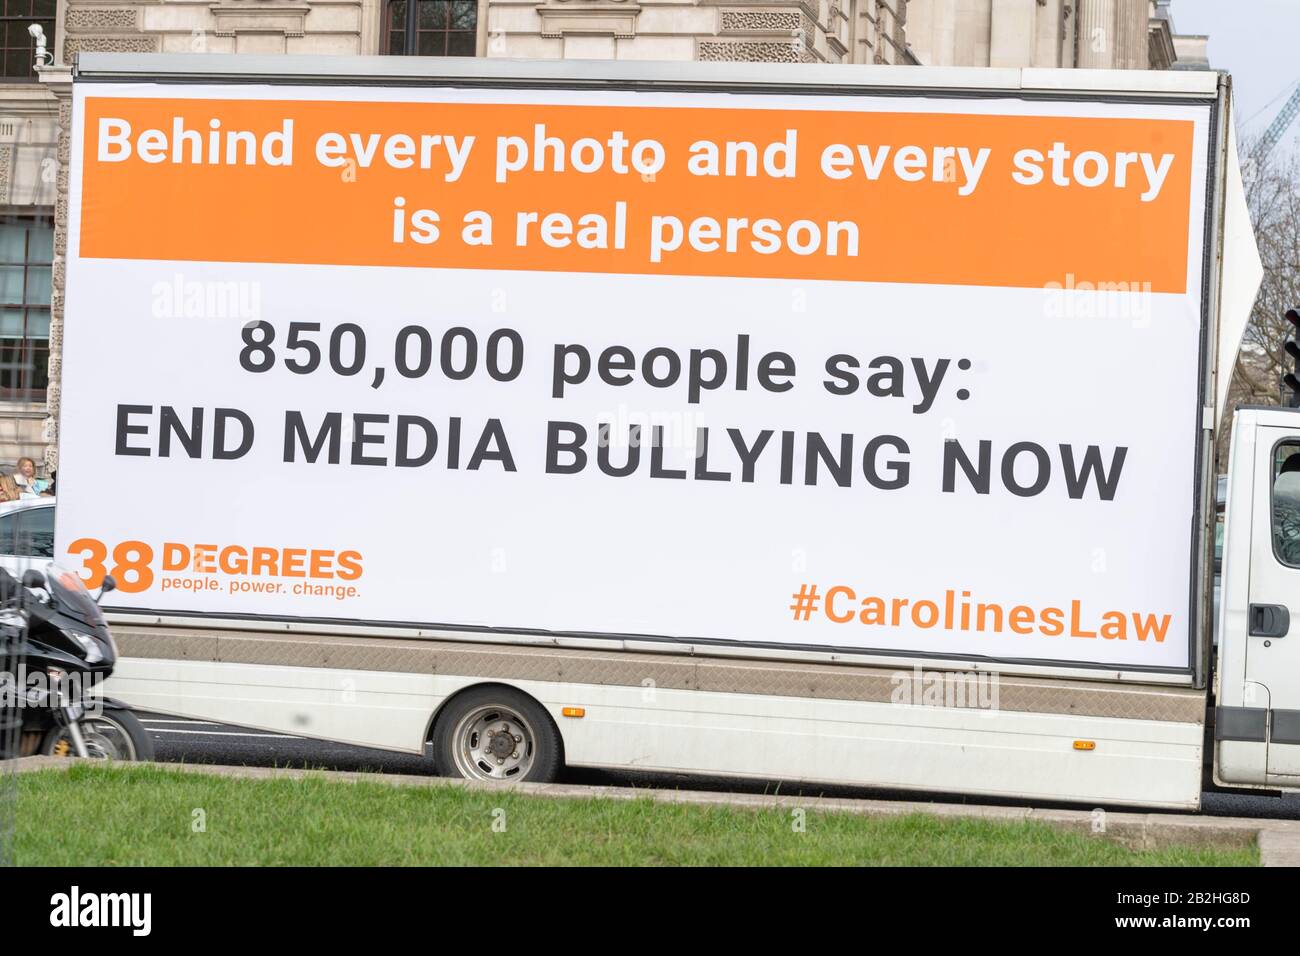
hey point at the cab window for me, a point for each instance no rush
(1286, 503)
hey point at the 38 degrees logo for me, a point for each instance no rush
(131, 563)
(130, 568)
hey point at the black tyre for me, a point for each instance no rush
(499, 735)
(112, 734)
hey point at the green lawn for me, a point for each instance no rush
(146, 816)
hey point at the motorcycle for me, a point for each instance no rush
(59, 650)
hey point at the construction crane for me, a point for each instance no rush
(1276, 128)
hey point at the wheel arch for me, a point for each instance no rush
(483, 685)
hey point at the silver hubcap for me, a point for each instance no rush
(105, 738)
(492, 743)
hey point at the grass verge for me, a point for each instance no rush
(156, 817)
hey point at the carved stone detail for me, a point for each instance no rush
(760, 21)
(74, 45)
(236, 17)
(61, 215)
(6, 171)
(99, 18)
(58, 284)
(601, 19)
(752, 51)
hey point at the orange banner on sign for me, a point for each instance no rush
(965, 199)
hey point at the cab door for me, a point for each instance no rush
(1272, 618)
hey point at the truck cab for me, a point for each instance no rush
(1257, 717)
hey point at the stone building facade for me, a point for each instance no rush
(805, 31)
(35, 111)
(1089, 34)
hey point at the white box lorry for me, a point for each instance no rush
(821, 423)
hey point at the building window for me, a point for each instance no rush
(17, 48)
(26, 254)
(431, 27)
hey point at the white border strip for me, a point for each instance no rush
(1199, 83)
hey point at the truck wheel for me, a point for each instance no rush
(496, 734)
(112, 734)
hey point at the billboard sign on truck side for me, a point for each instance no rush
(907, 374)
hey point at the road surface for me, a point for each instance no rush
(189, 741)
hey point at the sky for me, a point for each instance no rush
(1254, 40)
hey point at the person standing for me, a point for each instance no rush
(26, 480)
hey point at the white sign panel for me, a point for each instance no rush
(897, 374)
